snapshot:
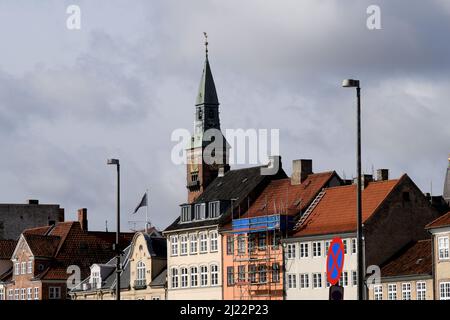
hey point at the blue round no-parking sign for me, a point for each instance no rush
(335, 261)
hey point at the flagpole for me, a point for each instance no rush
(146, 212)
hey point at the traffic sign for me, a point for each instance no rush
(335, 261)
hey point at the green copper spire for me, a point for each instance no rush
(207, 94)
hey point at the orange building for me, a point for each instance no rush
(252, 250)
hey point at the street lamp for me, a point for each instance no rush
(351, 83)
(117, 249)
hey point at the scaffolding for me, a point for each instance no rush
(258, 256)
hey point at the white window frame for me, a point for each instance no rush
(203, 242)
(392, 291)
(194, 276)
(304, 280)
(344, 279)
(354, 278)
(443, 247)
(17, 268)
(184, 277)
(24, 268)
(174, 245)
(203, 276)
(200, 211)
(406, 291)
(292, 281)
(174, 278)
(327, 246)
(444, 290)
(317, 249)
(193, 243)
(16, 294)
(2, 293)
(36, 293)
(304, 250)
(214, 268)
(214, 241)
(345, 243)
(140, 271)
(378, 292)
(290, 251)
(22, 294)
(421, 290)
(30, 267)
(186, 215)
(214, 209)
(354, 246)
(183, 244)
(317, 280)
(29, 294)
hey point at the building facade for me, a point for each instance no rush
(14, 218)
(395, 213)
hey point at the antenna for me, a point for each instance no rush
(206, 43)
(431, 191)
(106, 225)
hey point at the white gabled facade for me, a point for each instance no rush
(305, 267)
(194, 264)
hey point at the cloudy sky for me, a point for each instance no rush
(120, 85)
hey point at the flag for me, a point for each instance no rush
(143, 203)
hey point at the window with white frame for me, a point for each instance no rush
(317, 249)
(30, 267)
(10, 294)
(194, 277)
(392, 291)
(16, 268)
(326, 281)
(304, 280)
(36, 293)
(22, 294)
(354, 278)
(174, 277)
(214, 275)
(317, 280)
(214, 245)
(327, 246)
(353, 245)
(186, 213)
(204, 276)
(200, 212)
(344, 279)
(378, 292)
(292, 281)
(183, 244)
(24, 267)
(406, 291)
(444, 291)
(140, 272)
(2, 294)
(241, 244)
(214, 209)
(184, 277)
(203, 242)
(29, 294)
(443, 248)
(16, 294)
(54, 293)
(304, 250)
(174, 245)
(193, 243)
(421, 290)
(345, 245)
(95, 279)
(290, 251)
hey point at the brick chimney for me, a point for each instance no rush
(300, 170)
(82, 218)
(382, 174)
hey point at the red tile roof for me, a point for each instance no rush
(67, 244)
(336, 211)
(442, 221)
(414, 259)
(7, 248)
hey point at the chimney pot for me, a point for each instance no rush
(301, 169)
(33, 201)
(82, 218)
(365, 179)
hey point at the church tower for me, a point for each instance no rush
(200, 171)
(446, 194)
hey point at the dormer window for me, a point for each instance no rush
(186, 213)
(96, 279)
(214, 209)
(194, 176)
(140, 282)
(200, 211)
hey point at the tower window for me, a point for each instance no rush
(200, 114)
(194, 176)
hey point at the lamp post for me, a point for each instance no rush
(117, 249)
(351, 83)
